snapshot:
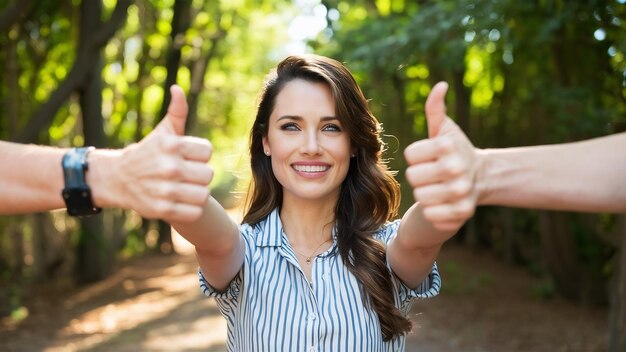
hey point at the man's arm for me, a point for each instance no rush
(31, 179)
(587, 176)
(163, 176)
(449, 174)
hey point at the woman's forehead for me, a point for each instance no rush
(304, 98)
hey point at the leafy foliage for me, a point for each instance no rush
(536, 72)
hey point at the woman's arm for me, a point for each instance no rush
(219, 245)
(413, 251)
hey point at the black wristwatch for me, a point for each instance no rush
(76, 193)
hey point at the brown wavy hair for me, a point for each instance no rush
(369, 195)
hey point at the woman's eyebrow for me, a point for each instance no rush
(299, 118)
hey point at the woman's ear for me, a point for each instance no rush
(266, 146)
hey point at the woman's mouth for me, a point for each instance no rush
(311, 168)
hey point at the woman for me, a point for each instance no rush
(317, 265)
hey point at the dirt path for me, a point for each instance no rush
(154, 304)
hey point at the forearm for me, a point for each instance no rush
(416, 246)
(583, 176)
(219, 246)
(214, 231)
(31, 179)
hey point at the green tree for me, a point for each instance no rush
(520, 73)
(103, 82)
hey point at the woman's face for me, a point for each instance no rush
(309, 148)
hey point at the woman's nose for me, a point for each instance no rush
(311, 144)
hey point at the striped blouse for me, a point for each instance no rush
(270, 305)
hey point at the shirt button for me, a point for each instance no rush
(324, 276)
(312, 316)
(312, 349)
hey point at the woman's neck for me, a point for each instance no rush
(307, 224)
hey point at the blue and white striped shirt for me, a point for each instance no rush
(271, 306)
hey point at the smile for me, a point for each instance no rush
(311, 168)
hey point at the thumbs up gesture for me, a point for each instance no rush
(165, 175)
(442, 169)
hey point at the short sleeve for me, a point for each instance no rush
(431, 285)
(230, 293)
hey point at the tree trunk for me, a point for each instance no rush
(181, 21)
(461, 101)
(17, 248)
(88, 52)
(15, 13)
(12, 100)
(572, 278)
(617, 311)
(94, 258)
(559, 253)
(508, 232)
(39, 246)
(48, 256)
(198, 72)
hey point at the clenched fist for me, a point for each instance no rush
(442, 169)
(164, 176)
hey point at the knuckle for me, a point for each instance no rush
(195, 213)
(171, 169)
(409, 148)
(416, 194)
(465, 209)
(409, 175)
(443, 145)
(452, 168)
(167, 190)
(163, 209)
(430, 213)
(171, 144)
(209, 174)
(461, 188)
(201, 196)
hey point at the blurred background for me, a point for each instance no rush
(96, 72)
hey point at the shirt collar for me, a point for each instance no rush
(271, 233)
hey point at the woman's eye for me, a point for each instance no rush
(290, 126)
(332, 128)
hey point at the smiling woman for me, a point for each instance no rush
(310, 151)
(320, 261)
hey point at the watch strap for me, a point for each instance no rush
(76, 194)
